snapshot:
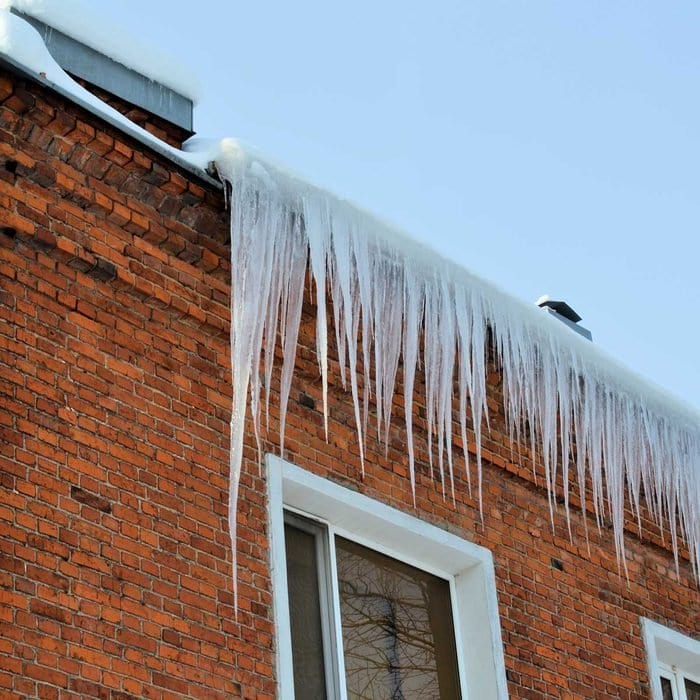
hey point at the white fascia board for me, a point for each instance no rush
(667, 647)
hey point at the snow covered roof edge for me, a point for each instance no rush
(634, 442)
(23, 47)
(237, 160)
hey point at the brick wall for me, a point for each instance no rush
(158, 126)
(115, 570)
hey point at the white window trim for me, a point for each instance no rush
(467, 566)
(669, 653)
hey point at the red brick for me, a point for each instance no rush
(113, 537)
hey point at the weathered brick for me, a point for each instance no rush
(115, 394)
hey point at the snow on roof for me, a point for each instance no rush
(22, 46)
(634, 442)
(99, 31)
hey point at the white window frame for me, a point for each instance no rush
(671, 655)
(466, 566)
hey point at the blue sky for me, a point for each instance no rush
(551, 147)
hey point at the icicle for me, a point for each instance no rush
(349, 318)
(412, 302)
(317, 223)
(631, 442)
(294, 266)
(250, 284)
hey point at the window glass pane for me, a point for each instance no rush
(398, 636)
(305, 614)
(666, 689)
(692, 690)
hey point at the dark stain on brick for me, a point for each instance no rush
(90, 499)
(44, 239)
(80, 265)
(307, 401)
(191, 254)
(43, 175)
(103, 270)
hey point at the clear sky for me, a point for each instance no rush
(551, 147)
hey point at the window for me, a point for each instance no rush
(396, 624)
(373, 603)
(674, 663)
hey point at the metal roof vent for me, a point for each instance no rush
(105, 73)
(563, 312)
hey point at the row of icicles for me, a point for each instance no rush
(633, 444)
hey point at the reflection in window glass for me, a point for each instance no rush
(692, 690)
(398, 636)
(304, 613)
(668, 692)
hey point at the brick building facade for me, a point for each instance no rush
(116, 573)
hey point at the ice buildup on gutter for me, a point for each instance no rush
(390, 297)
(395, 301)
